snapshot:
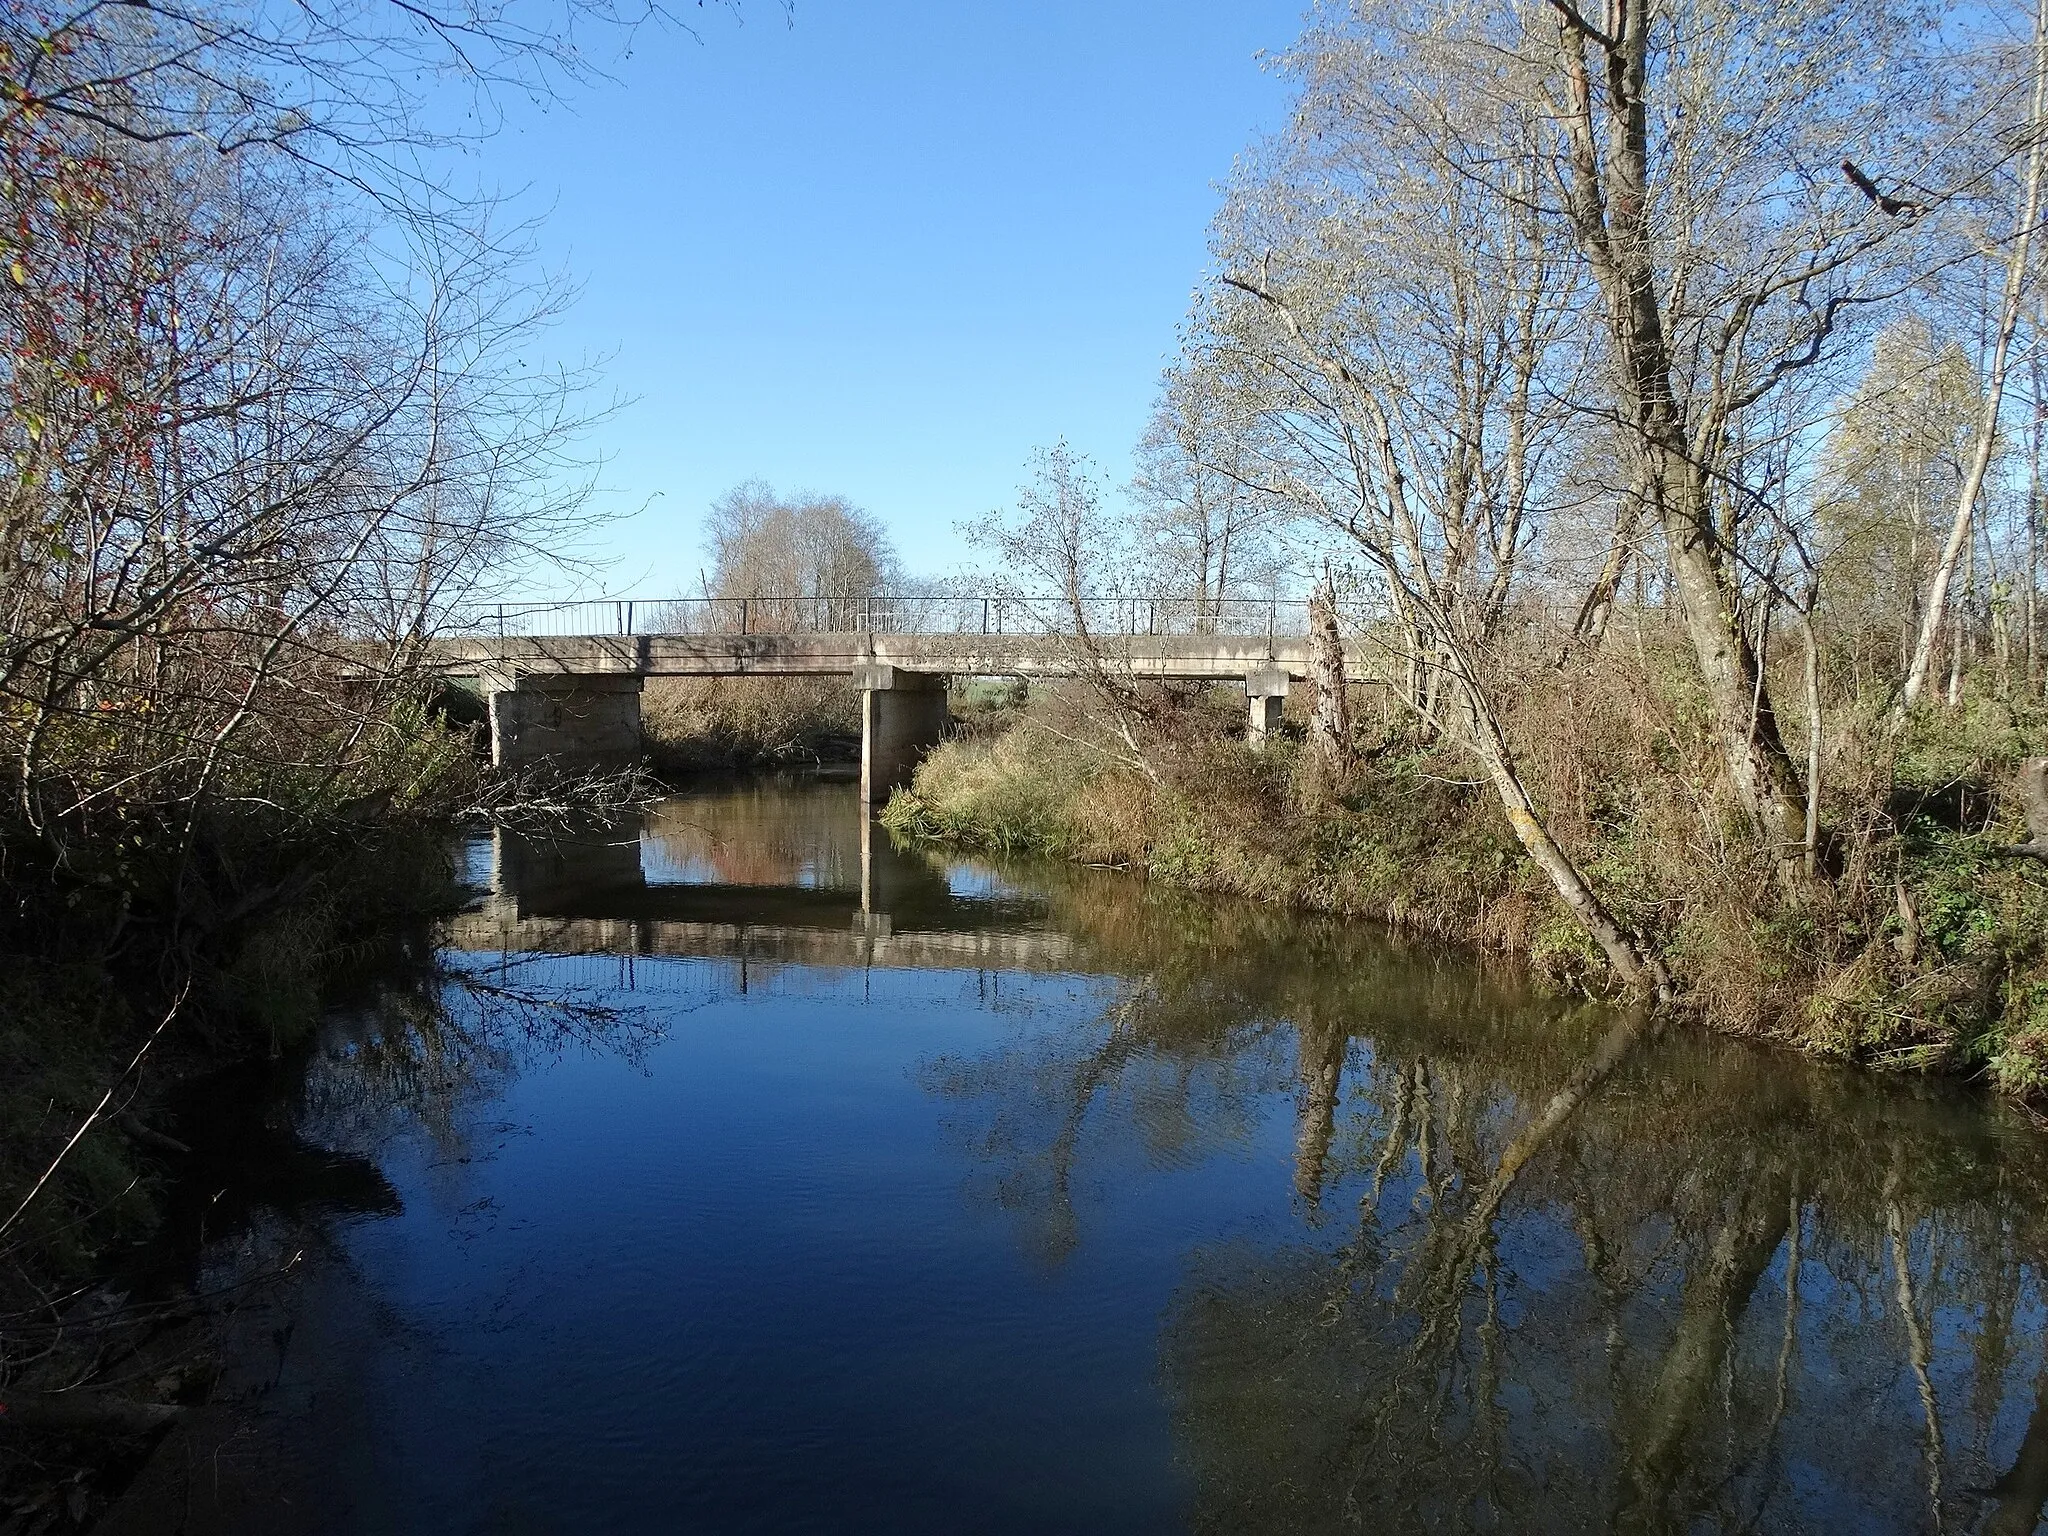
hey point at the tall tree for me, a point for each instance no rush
(1684, 156)
(2017, 242)
(805, 561)
(1207, 524)
(1406, 325)
(1891, 468)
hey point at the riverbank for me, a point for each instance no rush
(1922, 944)
(139, 1101)
(161, 969)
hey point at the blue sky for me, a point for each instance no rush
(884, 249)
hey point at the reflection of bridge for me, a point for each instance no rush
(592, 897)
(574, 697)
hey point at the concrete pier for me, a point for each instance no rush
(577, 723)
(1265, 691)
(902, 717)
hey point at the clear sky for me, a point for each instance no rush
(885, 247)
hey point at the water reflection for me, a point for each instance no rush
(1554, 1271)
(898, 1186)
(761, 874)
(1549, 1270)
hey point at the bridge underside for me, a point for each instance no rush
(574, 701)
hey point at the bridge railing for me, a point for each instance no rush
(989, 614)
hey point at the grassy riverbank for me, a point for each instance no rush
(1920, 945)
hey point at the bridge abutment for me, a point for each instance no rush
(902, 716)
(577, 722)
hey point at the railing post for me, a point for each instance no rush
(867, 615)
(1272, 622)
(501, 621)
(629, 616)
(743, 615)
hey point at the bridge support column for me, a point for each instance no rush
(574, 723)
(902, 716)
(1266, 692)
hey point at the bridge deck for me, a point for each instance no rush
(1212, 657)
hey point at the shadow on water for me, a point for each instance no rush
(1433, 1253)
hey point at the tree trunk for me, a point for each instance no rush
(1959, 624)
(1745, 723)
(2030, 615)
(1330, 730)
(1813, 739)
(1608, 205)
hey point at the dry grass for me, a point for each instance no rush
(692, 724)
(1618, 755)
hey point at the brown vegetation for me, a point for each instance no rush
(691, 725)
(1653, 471)
(1924, 945)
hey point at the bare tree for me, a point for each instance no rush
(1208, 524)
(2017, 243)
(805, 561)
(257, 449)
(1686, 165)
(1406, 328)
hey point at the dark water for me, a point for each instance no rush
(754, 1175)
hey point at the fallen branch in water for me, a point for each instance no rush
(547, 799)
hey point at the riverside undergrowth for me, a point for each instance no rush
(1920, 942)
(145, 950)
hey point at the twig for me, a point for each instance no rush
(105, 1099)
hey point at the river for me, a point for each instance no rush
(739, 1171)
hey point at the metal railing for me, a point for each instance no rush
(991, 614)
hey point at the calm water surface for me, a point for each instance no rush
(752, 1174)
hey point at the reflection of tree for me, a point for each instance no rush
(423, 1046)
(1718, 1288)
(2022, 1491)
(760, 835)
(1599, 1277)
(1024, 1112)
(1319, 1061)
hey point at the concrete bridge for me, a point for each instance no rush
(573, 698)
